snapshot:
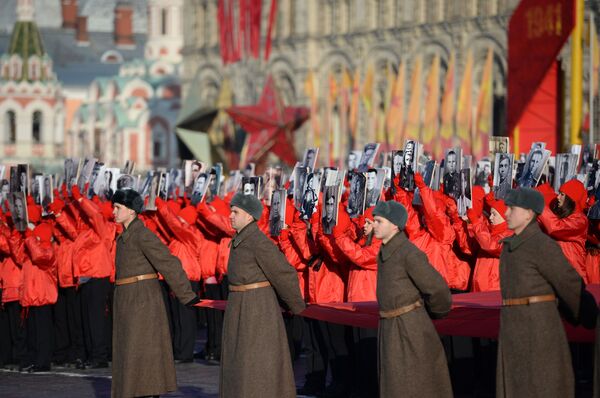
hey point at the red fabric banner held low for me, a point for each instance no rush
(472, 315)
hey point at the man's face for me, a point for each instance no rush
(310, 157)
(200, 184)
(367, 156)
(451, 163)
(397, 163)
(518, 218)
(19, 208)
(5, 189)
(383, 229)
(501, 147)
(535, 162)
(275, 205)
(408, 153)
(503, 168)
(329, 208)
(239, 218)
(351, 161)
(23, 179)
(47, 186)
(371, 180)
(248, 189)
(122, 213)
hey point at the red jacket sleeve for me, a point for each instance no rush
(182, 232)
(290, 252)
(363, 257)
(96, 219)
(4, 248)
(437, 223)
(213, 220)
(570, 228)
(17, 250)
(483, 236)
(299, 235)
(67, 225)
(42, 254)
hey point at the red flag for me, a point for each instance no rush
(272, 16)
(223, 32)
(255, 11)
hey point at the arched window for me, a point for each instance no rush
(36, 127)
(164, 14)
(159, 141)
(11, 127)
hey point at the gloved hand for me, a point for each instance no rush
(57, 206)
(76, 192)
(419, 181)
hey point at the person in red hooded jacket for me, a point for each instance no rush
(69, 346)
(13, 347)
(565, 221)
(93, 266)
(486, 276)
(40, 291)
(184, 244)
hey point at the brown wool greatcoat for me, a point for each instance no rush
(412, 362)
(255, 357)
(533, 354)
(142, 351)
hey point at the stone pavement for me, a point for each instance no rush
(199, 379)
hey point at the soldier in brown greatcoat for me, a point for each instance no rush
(533, 354)
(255, 357)
(412, 362)
(142, 351)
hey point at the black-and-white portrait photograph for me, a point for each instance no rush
(97, 173)
(36, 181)
(129, 167)
(154, 190)
(46, 192)
(86, 172)
(192, 169)
(71, 171)
(483, 169)
(429, 173)
(310, 197)
(18, 210)
(539, 145)
(310, 158)
(409, 165)
(374, 185)
(498, 145)
(330, 208)
(464, 200)
(233, 183)
(251, 185)
(126, 181)
(19, 178)
(164, 184)
(534, 165)
(356, 199)
(397, 161)
(452, 166)
(272, 179)
(277, 213)
(503, 169)
(144, 187)
(200, 188)
(215, 184)
(107, 182)
(4, 192)
(176, 183)
(249, 170)
(368, 157)
(565, 169)
(300, 174)
(353, 159)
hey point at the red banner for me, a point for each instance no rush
(536, 33)
(472, 315)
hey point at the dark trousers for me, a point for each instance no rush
(184, 328)
(95, 320)
(13, 335)
(40, 335)
(315, 350)
(214, 317)
(68, 330)
(338, 339)
(365, 363)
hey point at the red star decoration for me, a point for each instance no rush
(269, 126)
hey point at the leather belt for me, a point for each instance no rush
(528, 300)
(243, 288)
(400, 311)
(134, 279)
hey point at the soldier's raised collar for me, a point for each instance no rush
(515, 241)
(133, 226)
(388, 249)
(248, 230)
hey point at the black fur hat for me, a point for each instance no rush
(526, 198)
(130, 199)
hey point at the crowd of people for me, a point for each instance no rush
(57, 277)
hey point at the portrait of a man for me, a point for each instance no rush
(463, 201)
(368, 157)
(18, 209)
(353, 159)
(503, 174)
(533, 169)
(310, 196)
(329, 216)
(451, 172)
(277, 213)
(47, 195)
(372, 192)
(126, 181)
(310, 158)
(356, 199)
(200, 188)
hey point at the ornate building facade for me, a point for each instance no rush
(327, 37)
(131, 116)
(31, 102)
